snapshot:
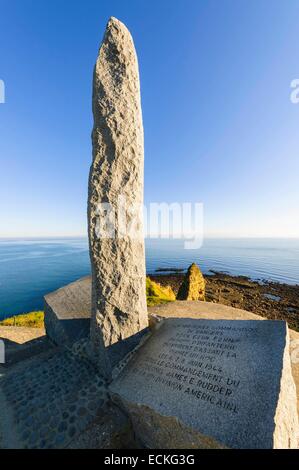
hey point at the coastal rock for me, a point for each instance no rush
(211, 384)
(193, 285)
(116, 187)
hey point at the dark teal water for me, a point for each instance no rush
(30, 268)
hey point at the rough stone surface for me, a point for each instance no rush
(211, 384)
(118, 262)
(189, 309)
(211, 311)
(193, 286)
(67, 312)
(113, 430)
(67, 321)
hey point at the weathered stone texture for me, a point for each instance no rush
(118, 263)
(193, 286)
(67, 312)
(212, 384)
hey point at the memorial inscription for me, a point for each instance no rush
(220, 379)
(188, 363)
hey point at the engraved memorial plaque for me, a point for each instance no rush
(210, 384)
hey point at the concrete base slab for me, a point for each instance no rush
(68, 311)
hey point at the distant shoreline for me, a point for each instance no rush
(30, 268)
(45, 237)
(272, 300)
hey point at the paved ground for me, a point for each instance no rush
(46, 402)
(57, 399)
(54, 397)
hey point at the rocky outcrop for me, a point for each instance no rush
(117, 255)
(193, 285)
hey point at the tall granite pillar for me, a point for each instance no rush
(116, 180)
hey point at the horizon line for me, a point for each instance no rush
(24, 237)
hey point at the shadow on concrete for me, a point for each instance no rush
(16, 352)
(119, 350)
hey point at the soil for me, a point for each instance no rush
(271, 300)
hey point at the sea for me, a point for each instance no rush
(31, 268)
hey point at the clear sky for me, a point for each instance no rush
(219, 124)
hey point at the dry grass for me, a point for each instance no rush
(32, 320)
(157, 294)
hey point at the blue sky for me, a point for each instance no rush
(219, 124)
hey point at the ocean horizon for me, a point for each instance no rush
(33, 267)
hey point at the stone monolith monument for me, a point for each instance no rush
(116, 193)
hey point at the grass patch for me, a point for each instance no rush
(32, 320)
(156, 294)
